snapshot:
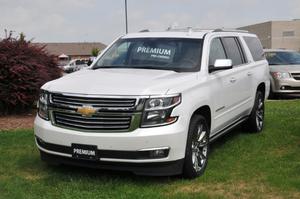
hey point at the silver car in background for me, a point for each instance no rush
(284, 71)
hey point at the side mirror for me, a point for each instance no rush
(221, 64)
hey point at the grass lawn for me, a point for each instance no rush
(241, 165)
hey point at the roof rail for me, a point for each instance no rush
(230, 30)
(145, 30)
(189, 29)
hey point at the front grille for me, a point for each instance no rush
(95, 123)
(108, 114)
(296, 76)
(96, 102)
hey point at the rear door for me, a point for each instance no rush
(239, 97)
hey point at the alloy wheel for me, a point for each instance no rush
(200, 147)
(260, 114)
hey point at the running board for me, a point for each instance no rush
(228, 128)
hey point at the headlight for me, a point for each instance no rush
(281, 75)
(158, 111)
(43, 105)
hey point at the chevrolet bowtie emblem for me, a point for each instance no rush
(87, 111)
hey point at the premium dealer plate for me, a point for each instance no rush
(84, 152)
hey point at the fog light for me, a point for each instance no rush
(156, 153)
(282, 88)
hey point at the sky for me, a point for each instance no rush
(104, 20)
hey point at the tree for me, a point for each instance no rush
(95, 52)
(24, 68)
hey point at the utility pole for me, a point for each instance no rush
(126, 22)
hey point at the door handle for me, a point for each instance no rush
(232, 80)
(249, 74)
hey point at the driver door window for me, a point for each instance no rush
(216, 51)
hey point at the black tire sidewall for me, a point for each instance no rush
(252, 120)
(188, 169)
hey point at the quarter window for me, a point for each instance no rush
(255, 48)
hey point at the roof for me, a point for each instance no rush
(181, 33)
(84, 48)
(167, 34)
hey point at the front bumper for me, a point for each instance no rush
(170, 136)
(168, 168)
(286, 86)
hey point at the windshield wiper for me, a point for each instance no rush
(99, 67)
(137, 67)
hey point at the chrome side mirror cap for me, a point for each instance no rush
(221, 64)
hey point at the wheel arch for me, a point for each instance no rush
(205, 111)
(262, 87)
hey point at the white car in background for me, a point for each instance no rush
(75, 65)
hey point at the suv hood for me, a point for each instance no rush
(120, 82)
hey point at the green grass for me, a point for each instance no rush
(241, 165)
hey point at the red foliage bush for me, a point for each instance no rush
(24, 68)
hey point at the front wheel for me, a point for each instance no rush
(255, 122)
(197, 147)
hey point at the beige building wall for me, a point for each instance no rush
(277, 34)
(286, 34)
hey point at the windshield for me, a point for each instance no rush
(181, 55)
(283, 58)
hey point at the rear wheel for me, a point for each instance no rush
(197, 147)
(255, 122)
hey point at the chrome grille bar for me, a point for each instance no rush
(95, 123)
(97, 102)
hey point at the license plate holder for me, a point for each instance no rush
(84, 152)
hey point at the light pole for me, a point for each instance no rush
(126, 22)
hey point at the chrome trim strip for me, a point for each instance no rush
(228, 128)
(134, 161)
(156, 148)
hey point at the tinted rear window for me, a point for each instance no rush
(255, 48)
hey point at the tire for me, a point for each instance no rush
(272, 95)
(197, 148)
(255, 123)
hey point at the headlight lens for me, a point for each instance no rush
(281, 75)
(43, 105)
(158, 111)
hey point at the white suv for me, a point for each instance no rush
(153, 101)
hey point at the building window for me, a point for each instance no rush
(288, 33)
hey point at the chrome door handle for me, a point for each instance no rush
(232, 80)
(249, 74)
